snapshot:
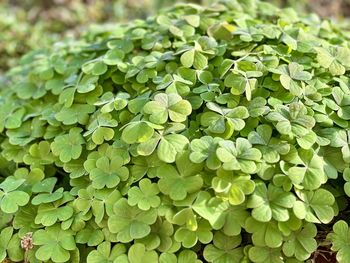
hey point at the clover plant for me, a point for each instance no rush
(204, 134)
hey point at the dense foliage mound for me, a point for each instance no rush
(215, 134)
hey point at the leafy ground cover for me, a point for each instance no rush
(29, 25)
(35, 24)
(197, 135)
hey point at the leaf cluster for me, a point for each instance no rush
(200, 134)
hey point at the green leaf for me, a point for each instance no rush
(101, 128)
(233, 186)
(170, 145)
(10, 197)
(166, 106)
(336, 60)
(220, 214)
(177, 185)
(54, 243)
(224, 249)
(223, 121)
(189, 238)
(271, 148)
(90, 236)
(113, 57)
(270, 202)
(68, 146)
(340, 240)
(145, 196)
(238, 156)
(264, 254)
(346, 176)
(301, 244)
(264, 233)
(204, 149)
(108, 172)
(130, 222)
(292, 77)
(137, 132)
(137, 253)
(194, 58)
(105, 254)
(77, 113)
(309, 172)
(5, 236)
(314, 206)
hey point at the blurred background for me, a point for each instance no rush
(31, 24)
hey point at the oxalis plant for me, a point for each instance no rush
(216, 134)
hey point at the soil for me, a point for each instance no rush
(324, 255)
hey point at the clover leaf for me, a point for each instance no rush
(11, 198)
(105, 254)
(346, 176)
(220, 214)
(314, 206)
(145, 196)
(224, 121)
(108, 172)
(190, 238)
(204, 149)
(161, 237)
(186, 215)
(100, 202)
(340, 240)
(342, 100)
(51, 211)
(264, 254)
(75, 168)
(113, 56)
(77, 113)
(31, 177)
(175, 184)
(5, 236)
(45, 192)
(168, 144)
(241, 83)
(90, 236)
(101, 128)
(339, 139)
(68, 146)
(270, 202)
(185, 256)
(130, 222)
(139, 131)
(309, 172)
(294, 121)
(166, 106)
(224, 249)
(109, 102)
(238, 156)
(292, 77)
(301, 244)
(39, 154)
(137, 253)
(264, 233)
(194, 57)
(145, 166)
(271, 148)
(28, 131)
(335, 59)
(232, 186)
(54, 243)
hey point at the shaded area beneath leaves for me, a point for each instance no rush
(324, 255)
